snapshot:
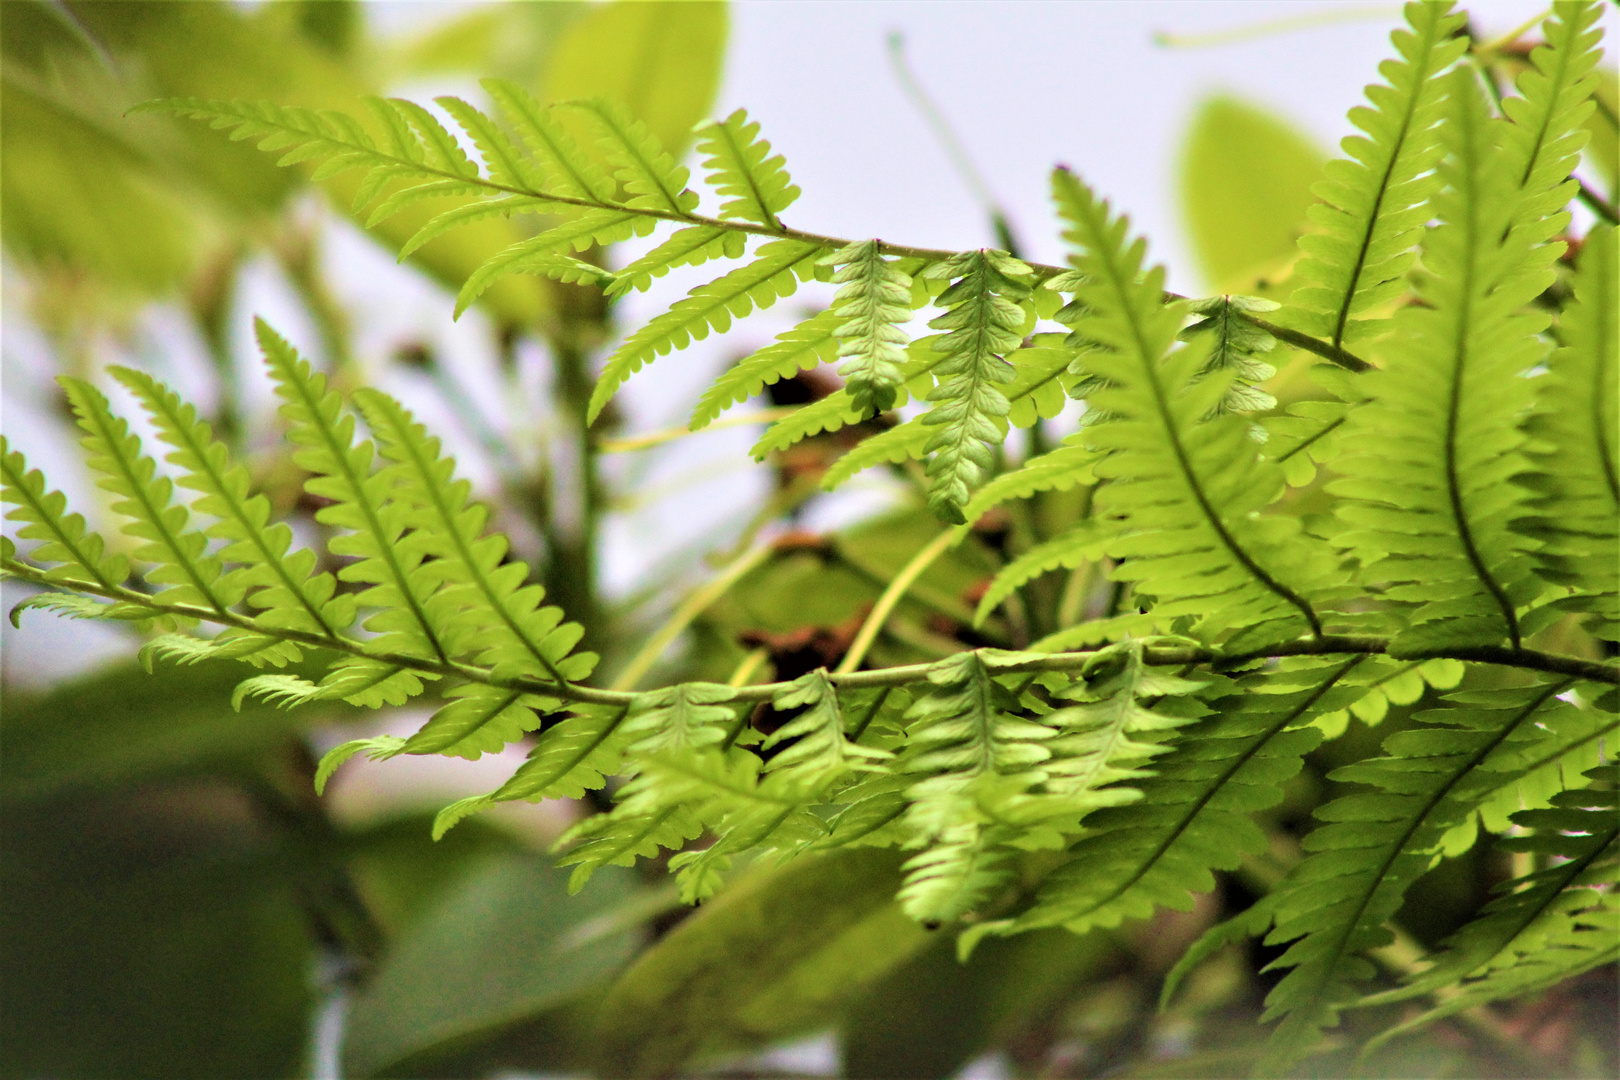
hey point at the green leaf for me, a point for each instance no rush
(807, 345)
(1245, 179)
(1185, 487)
(985, 319)
(178, 553)
(816, 931)
(741, 168)
(506, 945)
(1575, 444)
(874, 300)
(1334, 904)
(63, 536)
(1374, 205)
(776, 271)
(661, 61)
(1429, 510)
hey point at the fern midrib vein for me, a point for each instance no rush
(1420, 77)
(900, 675)
(385, 549)
(634, 150)
(1599, 400)
(1116, 280)
(740, 163)
(1216, 787)
(1396, 849)
(1573, 869)
(50, 521)
(1459, 513)
(928, 255)
(154, 514)
(451, 528)
(1562, 50)
(238, 511)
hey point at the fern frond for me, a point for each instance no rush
(1374, 205)
(1236, 346)
(1081, 542)
(776, 271)
(1533, 766)
(504, 162)
(1035, 393)
(837, 409)
(388, 560)
(1431, 455)
(1544, 141)
(1186, 488)
(336, 140)
(672, 722)
(543, 255)
(1334, 904)
(1194, 815)
(987, 314)
(74, 606)
(619, 839)
(1056, 470)
(1575, 444)
(281, 582)
(467, 213)
(442, 151)
(875, 299)
(727, 792)
(807, 345)
(963, 738)
(178, 553)
(1311, 432)
(569, 758)
(644, 168)
(691, 246)
(1549, 925)
(567, 170)
(1110, 735)
(813, 747)
(515, 635)
(742, 169)
(80, 554)
(907, 442)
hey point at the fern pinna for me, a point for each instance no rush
(1468, 565)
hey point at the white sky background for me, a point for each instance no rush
(1026, 84)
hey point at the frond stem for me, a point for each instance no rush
(1168, 655)
(1042, 271)
(891, 596)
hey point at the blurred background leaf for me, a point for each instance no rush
(1246, 179)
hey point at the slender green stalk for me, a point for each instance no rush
(690, 608)
(891, 596)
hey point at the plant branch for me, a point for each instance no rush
(1161, 655)
(1042, 271)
